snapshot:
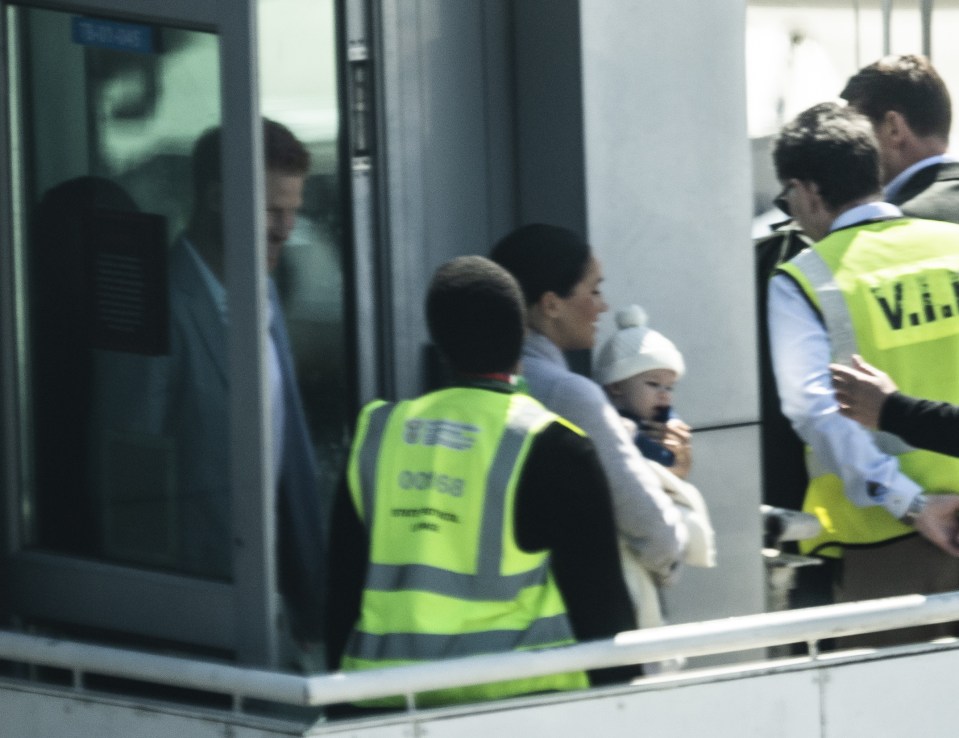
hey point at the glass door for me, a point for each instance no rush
(300, 87)
(139, 367)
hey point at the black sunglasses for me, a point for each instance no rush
(781, 202)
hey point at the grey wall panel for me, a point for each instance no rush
(401, 173)
(34, 713)
(549, 113)
(449, 148)
(785, 705)
(498, 72)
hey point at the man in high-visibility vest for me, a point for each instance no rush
(885, 287)
(473, 519)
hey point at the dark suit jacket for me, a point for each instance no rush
(180, 403)
(783, 457)
(932, 193)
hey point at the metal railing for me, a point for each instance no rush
(729, 635)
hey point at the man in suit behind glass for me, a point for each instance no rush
(180, 401)
(911, 114)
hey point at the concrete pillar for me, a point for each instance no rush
(632, 128)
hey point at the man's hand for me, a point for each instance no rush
(939, 522)
(861, 390)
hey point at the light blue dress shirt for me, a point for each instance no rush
(801, 355)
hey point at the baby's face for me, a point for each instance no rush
(645, 393)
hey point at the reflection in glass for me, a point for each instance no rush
(108, 113)
(298, 83)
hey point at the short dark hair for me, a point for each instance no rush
(908, 84)
(543, 258)
(476, 316)
(833, 146)
(282, 151)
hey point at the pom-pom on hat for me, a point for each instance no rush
(634, 349)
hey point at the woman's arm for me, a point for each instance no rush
(644, 514)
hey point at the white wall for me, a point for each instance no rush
(911, 695)
(835, 697)
(668, 208)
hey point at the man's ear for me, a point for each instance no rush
(895, 127)
(810, 191)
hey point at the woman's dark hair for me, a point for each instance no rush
(476, 316)
(543, 258)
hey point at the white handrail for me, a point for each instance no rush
(634, 647)
(176, 671)
(641, 646)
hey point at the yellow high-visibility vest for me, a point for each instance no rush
(434, 481)
(888, 291)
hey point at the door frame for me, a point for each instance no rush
(240, 617)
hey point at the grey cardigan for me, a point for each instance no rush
(646, 518)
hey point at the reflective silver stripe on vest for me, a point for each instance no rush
(832, 302)
(425, 578)
(522, 418)
(369, 453)
(434, 646)
(842, 337)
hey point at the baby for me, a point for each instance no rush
(638, 367)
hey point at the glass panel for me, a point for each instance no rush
(106, 114)
(298, 83)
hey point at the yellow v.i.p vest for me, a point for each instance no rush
(888, 291)
(434, 481)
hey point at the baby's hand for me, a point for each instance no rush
(678, 438)
(677, 429)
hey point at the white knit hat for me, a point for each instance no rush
(634, 349)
